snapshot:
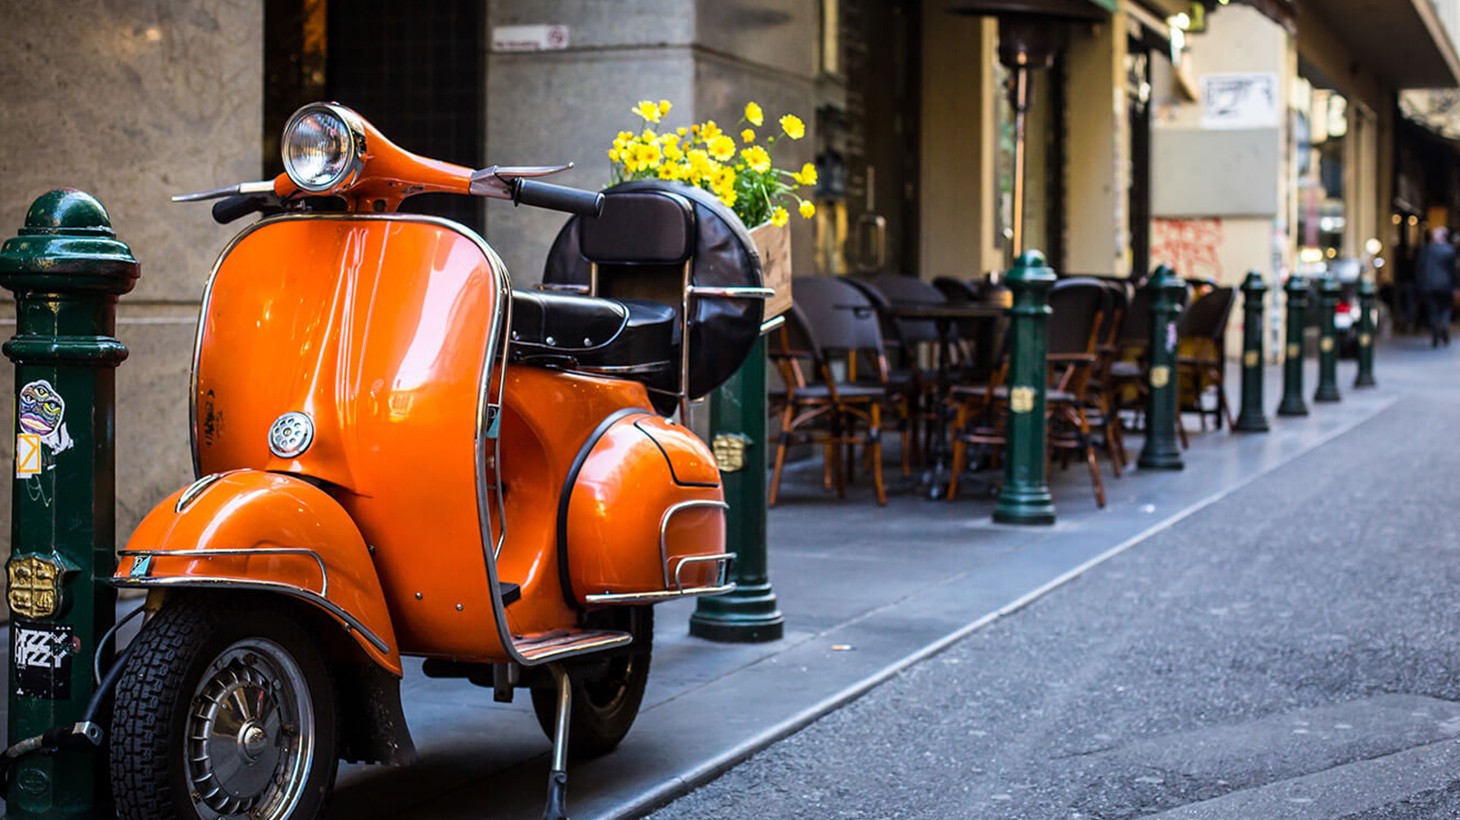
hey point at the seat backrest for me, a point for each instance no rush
(1076, 307)
(1207, 316)
(957, 290)
(639, 246)
(887, 288)
(836, 314)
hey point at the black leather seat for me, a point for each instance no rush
(625, 338)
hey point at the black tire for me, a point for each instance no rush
(193, 662)
(606, 692)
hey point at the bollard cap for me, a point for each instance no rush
(1329, 284)
(1296, 284)
(67, 245)
(1366, 286)
(1254, 283)
(1164, 278)
(1030, 270)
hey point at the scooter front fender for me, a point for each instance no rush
(255, 530)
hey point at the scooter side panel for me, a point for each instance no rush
(378, 329)
(279, 534)
(547, 420)
(643, 501)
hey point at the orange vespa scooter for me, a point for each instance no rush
(398, 455)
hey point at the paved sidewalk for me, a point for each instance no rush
(866, 591)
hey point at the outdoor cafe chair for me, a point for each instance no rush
(836, 328)
(1079, 310)
(1076, 310)
(918, 341)
(1202, 330)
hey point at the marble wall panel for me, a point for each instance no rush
(133, 101)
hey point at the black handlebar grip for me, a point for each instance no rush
(235, 207)
(557, 197)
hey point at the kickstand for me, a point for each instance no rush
(557, 796)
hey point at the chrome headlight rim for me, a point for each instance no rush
(354, 128)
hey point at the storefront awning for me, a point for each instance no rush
(1402, 41)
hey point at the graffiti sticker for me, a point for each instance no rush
(27, 455)
(43, 413)
(41, 660)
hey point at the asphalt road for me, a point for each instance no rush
(1290, 651)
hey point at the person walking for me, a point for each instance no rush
(1434, 274)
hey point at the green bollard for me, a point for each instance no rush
(1365, 378)
(1025, 498)
(1160, 451)
(738, 436)
(1251, 419)
(67, 269)
(1328, 289)
(1296, 291)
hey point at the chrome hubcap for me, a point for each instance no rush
(250, 738)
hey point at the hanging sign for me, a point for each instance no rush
(1239, 101)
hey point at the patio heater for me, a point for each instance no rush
(1031, 32)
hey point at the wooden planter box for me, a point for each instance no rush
(774, 245)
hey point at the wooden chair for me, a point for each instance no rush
(1078, 312)
(1077, 309)
(908, 342)
(1203, 330)
(832, 332)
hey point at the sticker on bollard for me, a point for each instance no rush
(41, 659)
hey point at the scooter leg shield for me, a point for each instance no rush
(268, 532)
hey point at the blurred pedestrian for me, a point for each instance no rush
(1434, 274)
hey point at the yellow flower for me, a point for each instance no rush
(709, 130)
(669, 171)
(681, 130)
(721, 147)
(779, 216)
(757, 158)
(672, 150)
(747, 136)
(753, 113)
(648, 110)
(807, 209)
(664, 106)
(729, 198)
(647, 155)
(807, 176)
(792, 125)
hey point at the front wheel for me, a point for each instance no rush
(223, 711)
(606, 692)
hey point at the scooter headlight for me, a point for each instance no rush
(323, 147)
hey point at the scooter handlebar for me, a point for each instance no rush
(556, 197)
(236, 207)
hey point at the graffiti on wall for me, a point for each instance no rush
(1190, 246)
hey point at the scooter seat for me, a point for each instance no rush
(626, 338)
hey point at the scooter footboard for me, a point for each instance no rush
(265, 532)
(644, 517)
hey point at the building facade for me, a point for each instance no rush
(1217, 136)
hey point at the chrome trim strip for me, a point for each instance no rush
(196, 489)
(324, 575)
(664, 528)
(201, 581)
(620, 368)
(772, 323)
(656, 597)
(573, 648)
(563, 287)
(731, 292)
(723, 559)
